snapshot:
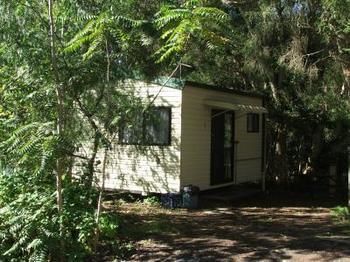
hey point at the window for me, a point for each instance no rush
(150, 128)
(252, 123)
(131, 133)
(157, 126)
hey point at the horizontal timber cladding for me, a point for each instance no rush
(153, 168)
(167, 168)
(196, 138)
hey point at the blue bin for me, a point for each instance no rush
(190, 197)
(171, 200)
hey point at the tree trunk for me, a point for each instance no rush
(105, 156)
(100, 197)
(59, 125)
(281, 161)
(316, 148)
(88, 177)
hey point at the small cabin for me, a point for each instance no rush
(204, 135)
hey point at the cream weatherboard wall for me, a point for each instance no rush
(196, 138)
(149, 168)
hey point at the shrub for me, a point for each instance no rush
(341, 213)
(152, 201)
(108, 225)
(29, 221)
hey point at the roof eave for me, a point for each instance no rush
(224, 89)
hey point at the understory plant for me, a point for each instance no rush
(29, 221)
(342, 213)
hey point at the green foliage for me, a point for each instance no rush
(29, 222)
(31, 145)
(152, 201)
(334, 21)
(108, 225)
(28, 226)
(99, 31)
(192, 21)
(79, 219)
(341, 213)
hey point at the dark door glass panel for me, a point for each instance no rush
(222, 137)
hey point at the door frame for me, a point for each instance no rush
(216, 182)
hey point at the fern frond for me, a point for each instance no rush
(172, 16)
(39, 255)
(37, 242)
(23, 139)
(94, 34)
(193, 3)
(45, 159)
(23, 239)
(13, 249)
(15, 228)
(93, 47)
(126, 22)
(81, 37)
(193, 21)
(215, 15)
(30, 146)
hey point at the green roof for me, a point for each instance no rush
(180, 84)
(224, 89)
(170, 82)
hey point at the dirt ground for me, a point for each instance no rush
(264, 229)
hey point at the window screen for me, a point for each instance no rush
(150, 128)
(157, 126)
(132, 133)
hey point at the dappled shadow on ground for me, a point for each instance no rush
(244, 232)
